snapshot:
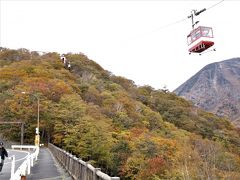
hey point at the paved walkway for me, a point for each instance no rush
(47, 168)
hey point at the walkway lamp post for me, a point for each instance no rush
(37, 136)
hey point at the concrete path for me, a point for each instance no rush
(47, 168)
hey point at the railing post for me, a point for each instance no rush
(32, 158)
(70, 163)
(23, 169)
(86, 175)
(29, 164)
(81, 175)
(95, 177)
(12, 166)
(67, 155)
(75, 166)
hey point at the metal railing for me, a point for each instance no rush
(77, 168)
(25, 167)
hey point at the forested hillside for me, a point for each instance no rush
(128, 131)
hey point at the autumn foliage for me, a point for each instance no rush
(128, 131)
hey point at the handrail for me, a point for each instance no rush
(25, 167)
(22, 147)
(76, 167)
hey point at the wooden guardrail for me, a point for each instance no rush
(76, 167)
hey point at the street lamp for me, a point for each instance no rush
(37, 136)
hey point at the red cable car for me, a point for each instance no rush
(200, 39)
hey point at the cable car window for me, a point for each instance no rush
(207, 32)
(196, 34)
(189, 39)
(210, 33)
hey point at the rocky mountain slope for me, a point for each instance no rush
(216, 88)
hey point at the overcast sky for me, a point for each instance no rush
(132, 39)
